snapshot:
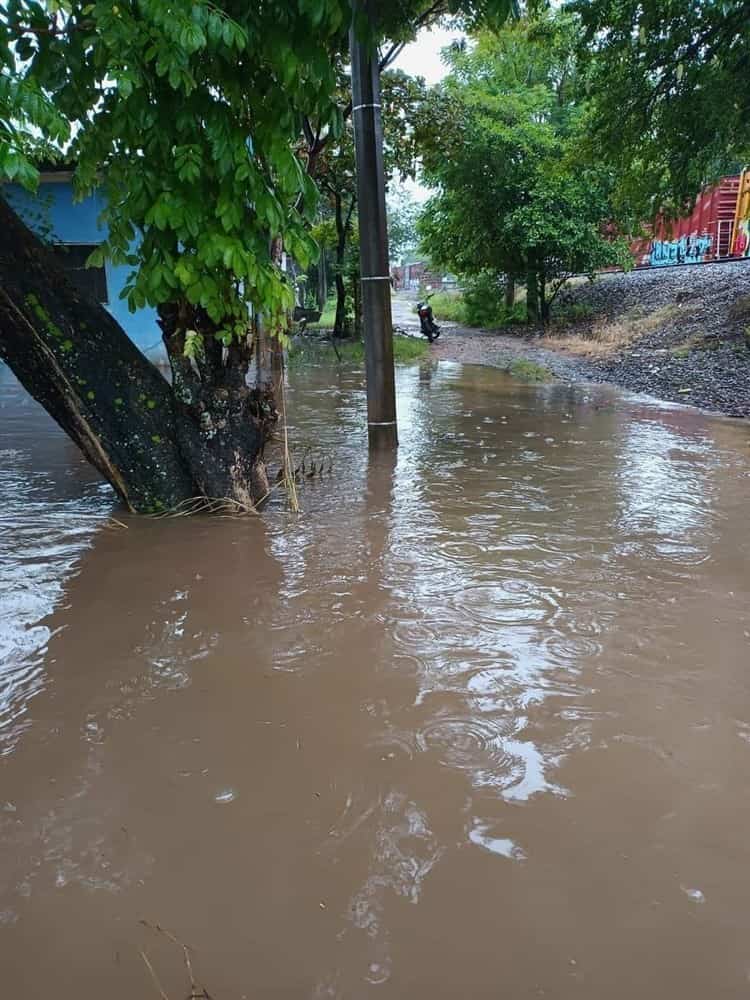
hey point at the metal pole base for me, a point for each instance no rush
(382, 437)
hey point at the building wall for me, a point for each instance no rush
(411, 276)
(53, 214)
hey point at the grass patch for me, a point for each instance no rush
(409, 348)
(405, 349)
(529, 371)
(327, 317)
(610, 336)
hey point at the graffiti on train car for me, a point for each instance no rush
(686, 250)
(741, 231)
(741, 246)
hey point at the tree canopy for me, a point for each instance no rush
(668, 84)
(499, 134)
(185, 114)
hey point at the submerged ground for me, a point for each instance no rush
(476, 723)
(676, 333)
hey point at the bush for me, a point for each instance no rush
(450, 306)
(484, 296)
(570, 313)
(481, 304)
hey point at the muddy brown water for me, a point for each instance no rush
(474, 725)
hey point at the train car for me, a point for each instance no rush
(708, 233)
(741, 228)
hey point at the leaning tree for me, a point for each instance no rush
(186, 115)
(183, 116)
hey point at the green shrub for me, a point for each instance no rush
(484, 296)
(513, 316)
(571, 312)
(450, 306)
(480, 304)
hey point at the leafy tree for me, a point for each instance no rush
(499, 134)
(187, 114)
(668, 83)
(184, 114)
(403, 212)
(337, 180)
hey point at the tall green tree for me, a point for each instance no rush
(498, 138)
(336, 175)
(668, 81)
(403, 212)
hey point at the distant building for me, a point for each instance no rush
(74, 230)
(411, 276)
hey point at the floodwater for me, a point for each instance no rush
(474, 725)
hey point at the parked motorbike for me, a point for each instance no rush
(427, 323)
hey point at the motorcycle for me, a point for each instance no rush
(427, 324)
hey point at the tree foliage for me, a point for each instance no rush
(403, 212)
(184, 115)
(187, 116)
(335, 173)
(669, 85)
(498, 139)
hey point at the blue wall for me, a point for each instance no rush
(53, 208)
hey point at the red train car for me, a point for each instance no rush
(705, 234)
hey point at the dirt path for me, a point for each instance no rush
(698, 352)
(487, 347)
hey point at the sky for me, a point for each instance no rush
(422, 58)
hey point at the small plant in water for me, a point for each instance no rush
(529, 371)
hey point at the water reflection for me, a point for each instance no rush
(50, 507)
(414, 741)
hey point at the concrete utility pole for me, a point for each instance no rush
(373, 237)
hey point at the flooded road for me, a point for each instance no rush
(475, 725)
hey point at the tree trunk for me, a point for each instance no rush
(223, 424)
(532, 292)
(322, 281)
(510, 291)
(544, 305)
(158, 445)
(357, 297)
(339, 326)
